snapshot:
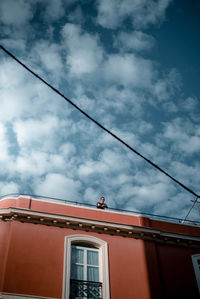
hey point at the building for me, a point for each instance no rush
(55, 250)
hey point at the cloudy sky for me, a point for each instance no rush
(134, 66)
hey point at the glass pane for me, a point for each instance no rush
(93, 273)
(77, 272)
(92, 258)
(84, 245)
(77, 255)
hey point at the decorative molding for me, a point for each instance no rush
(101, 227)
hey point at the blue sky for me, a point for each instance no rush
(134, 66)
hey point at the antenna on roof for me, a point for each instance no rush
(194, 202)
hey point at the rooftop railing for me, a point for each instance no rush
(124, 211)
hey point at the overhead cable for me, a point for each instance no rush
(98, 124)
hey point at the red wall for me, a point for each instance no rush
(4, 242)
(176, 272)
(34, 264)
(32, 257)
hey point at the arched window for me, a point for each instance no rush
(196, 265)
(86, 268)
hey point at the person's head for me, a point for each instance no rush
(102, 199)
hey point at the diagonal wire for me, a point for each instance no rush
(98, 124)
(188, 213)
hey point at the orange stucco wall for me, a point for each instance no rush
(32, 256)
(35, 262)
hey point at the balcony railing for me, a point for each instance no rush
(80, 289)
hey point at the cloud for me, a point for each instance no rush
(145, 196)
(189, 104)
(37, 163)
(167, 85)
(16, 91)
(84, 52)
(8, 188)
(184, 135)
(129, 70)
(53, 10)
(47, 147)
(14, 44)
(91, 196)
(77, 16)
(60, 186)
(49, 55)
(134, 41)
(187, 173)
(15, 13)
(4, 144)
(109, 161)
(112, 14)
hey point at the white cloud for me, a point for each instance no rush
(37, 163)
(184, 135)
(14, 44)
(129, 70)
(111, 14)
(146, 195)
(187, 173)
(165, 87)
(57, 185)
(53, 10)
(67, 149)
(17, 89)
(109, 161)
(47, 146)
(135, 40)
(50, 56)
(91, 196)
(8, 71)
(4, 144)
(84, 52)
(15, 13)
(8, 188)
(189, 104)
(34, 132)
(76, 16)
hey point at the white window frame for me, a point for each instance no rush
(103, 262)
(85, 265)
(196, 266)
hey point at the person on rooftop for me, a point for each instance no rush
(101, 204)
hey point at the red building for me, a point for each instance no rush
(56, 250)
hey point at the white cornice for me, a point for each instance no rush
(105, 227)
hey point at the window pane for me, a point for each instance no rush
(77, 272)
(77, 255)
(93, 273)
(92, 258)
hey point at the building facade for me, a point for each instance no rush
(56, 250)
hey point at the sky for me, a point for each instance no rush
(134, 66)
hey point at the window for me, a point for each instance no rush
(86, 268)
(196, 265)
(85, 274)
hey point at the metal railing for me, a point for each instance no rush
(144, 214)
(80, 289)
